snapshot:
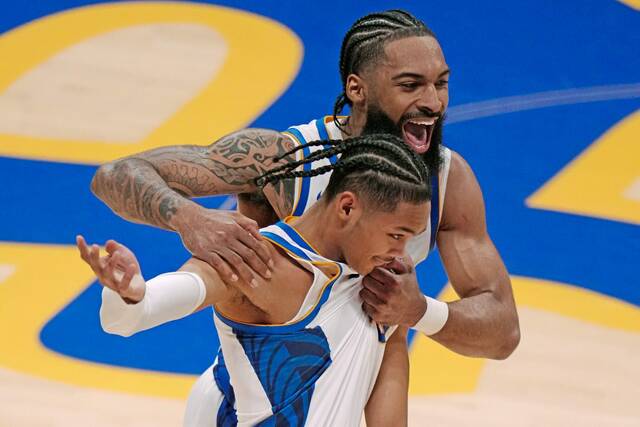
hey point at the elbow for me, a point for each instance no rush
(115, 329)
(509, 342)
(113, 324)
(103, 176)
(109, 174)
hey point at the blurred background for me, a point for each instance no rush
(544, 105)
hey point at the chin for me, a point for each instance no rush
(363, 270)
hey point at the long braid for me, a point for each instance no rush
(379, 165)
(365, 41)
(384, 142)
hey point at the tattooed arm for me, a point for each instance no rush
(153, 188)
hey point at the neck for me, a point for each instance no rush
(355, 124)
(323, 238)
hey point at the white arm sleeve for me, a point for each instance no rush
(167, 297)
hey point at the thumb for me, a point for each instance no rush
(399, 266)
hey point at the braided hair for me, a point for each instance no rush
(365, 42)
(379, 166)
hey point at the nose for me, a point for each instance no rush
(429, 102)
(397, 251)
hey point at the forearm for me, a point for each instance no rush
(134, 190)
(150, 187)
(480, 326)
(388, 404)
(167, 297)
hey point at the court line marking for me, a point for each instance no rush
(537, 100)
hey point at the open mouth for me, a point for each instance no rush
(417, 133)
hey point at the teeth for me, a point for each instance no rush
(425, 122)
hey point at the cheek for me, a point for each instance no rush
(444, 98)
(394, 103)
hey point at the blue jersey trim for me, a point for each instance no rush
(295, 236)
(435, 211)
(322, 131)
(286, 245)
(306, 181)
(226, 416)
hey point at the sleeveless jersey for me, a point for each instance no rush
(213, 404)
(309, 189)
(318, 369)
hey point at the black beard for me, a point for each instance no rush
(379, 122)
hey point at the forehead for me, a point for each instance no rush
(421, 55)
(405, 215)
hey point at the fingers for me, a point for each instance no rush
(237, 263)
(383, 275)
(223, 269)
(83, 248)
(254, 241)
(249, 225)
(371, 311)
(111, 246)
(249, 255)
(371, 298)
(381, 290)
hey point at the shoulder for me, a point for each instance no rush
(463, 202)
(254, 138)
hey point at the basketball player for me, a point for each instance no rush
(395, 78)
(300, 350)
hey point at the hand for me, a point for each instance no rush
(118, 270)
(392, 296)
(228, 241)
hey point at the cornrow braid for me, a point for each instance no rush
(337, 147)
(380, 166)
(365, 41)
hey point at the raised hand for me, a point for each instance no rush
(118, 270)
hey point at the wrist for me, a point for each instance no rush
(184, 215)
(135, 291)
(418, 311)
(434, 318)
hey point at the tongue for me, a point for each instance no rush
(416, 136)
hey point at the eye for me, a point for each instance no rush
(409, 86)
(396, 236)
(442, 83)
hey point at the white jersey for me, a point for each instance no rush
(204, 407)
(309, 189)
(318, 369)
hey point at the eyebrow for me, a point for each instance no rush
(408, 74)
(410, 231)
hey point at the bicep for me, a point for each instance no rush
(388, 403)
(228, 166)
(470, 258)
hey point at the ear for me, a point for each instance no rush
(356, 89)
(349, 207)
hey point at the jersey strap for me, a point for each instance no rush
(435, 211)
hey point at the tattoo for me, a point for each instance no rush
(134, 190)
(284, 189)
(150, 187)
